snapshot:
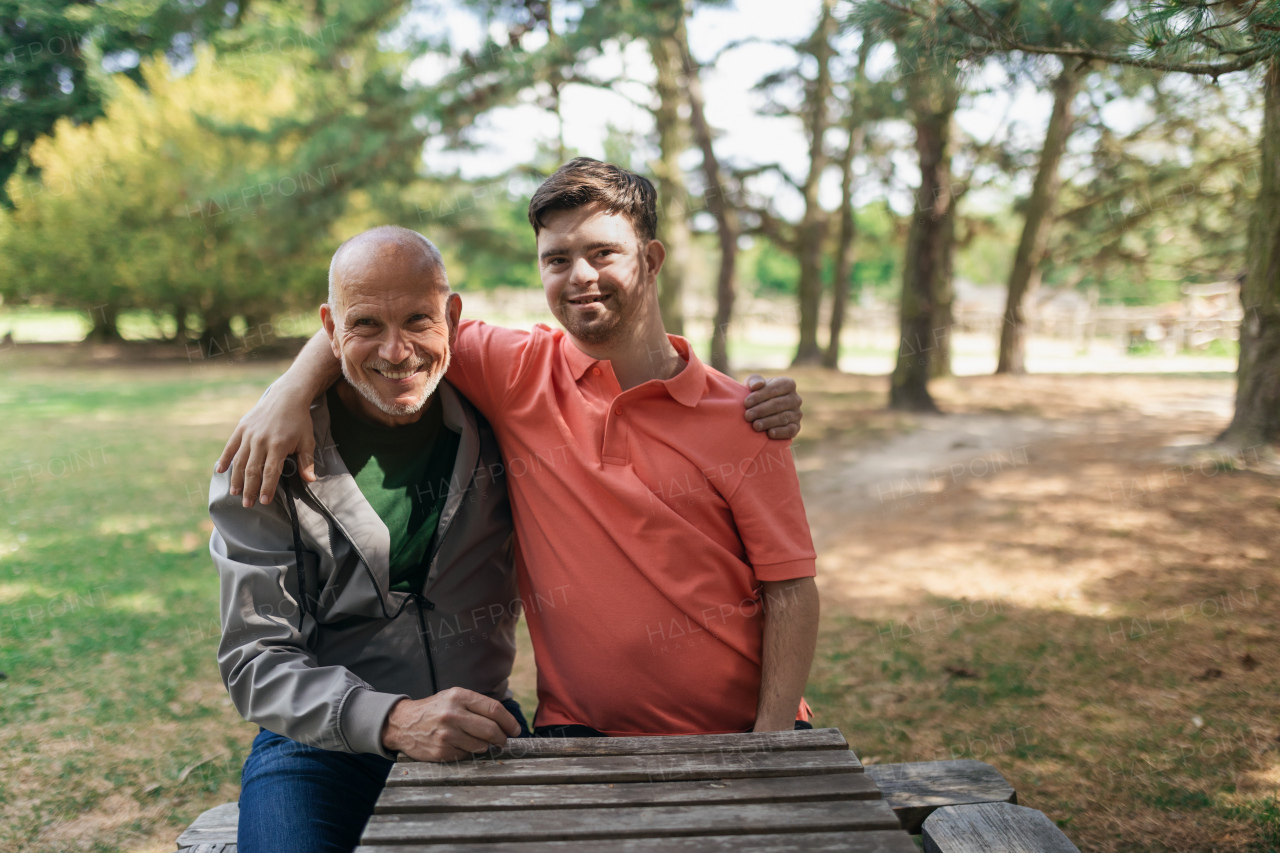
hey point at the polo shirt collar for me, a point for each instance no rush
(686, 387)
(578, 360)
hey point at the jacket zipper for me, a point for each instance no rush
(425, 604)
(429, 605)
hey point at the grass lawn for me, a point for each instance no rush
(1013, 620)
(114, 727)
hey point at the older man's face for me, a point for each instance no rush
(392, 330)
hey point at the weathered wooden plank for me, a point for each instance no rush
(876, 841)
(628, 822)
(993, 828)
(626, 768)
(915, 790)
(676, 744)
(454, 798)
(214, 826)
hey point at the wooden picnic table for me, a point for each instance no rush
(772, 791)
(751, 792)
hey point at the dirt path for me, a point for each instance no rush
(1099, 446)
(1058, 556)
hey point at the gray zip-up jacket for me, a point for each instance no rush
(329, 677)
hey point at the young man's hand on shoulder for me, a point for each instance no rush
(773, 405)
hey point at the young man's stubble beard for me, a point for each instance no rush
(608, 328)
(602, 330)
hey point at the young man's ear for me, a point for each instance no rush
(453, 311)
(654, 254)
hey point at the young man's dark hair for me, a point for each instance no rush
(583, 181)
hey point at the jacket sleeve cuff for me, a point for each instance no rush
(363, 715)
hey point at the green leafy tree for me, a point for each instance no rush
(52, 52)
(1207, 39)
(1159, 204)
(931, 81)
(859, 111)
(152, 207)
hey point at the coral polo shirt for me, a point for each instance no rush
(645, 521)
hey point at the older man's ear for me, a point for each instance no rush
(329, 325)
(453, 311)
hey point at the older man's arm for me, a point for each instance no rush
(274, 679)
(790, 636)
(264, 655)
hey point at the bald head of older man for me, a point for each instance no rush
(391, 321)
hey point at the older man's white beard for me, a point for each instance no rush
(397, 409)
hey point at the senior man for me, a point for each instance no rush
(372, 610)
(667, 537)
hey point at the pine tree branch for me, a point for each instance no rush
(1245, 59)
(742, 174)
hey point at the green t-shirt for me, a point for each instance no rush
(404, 473)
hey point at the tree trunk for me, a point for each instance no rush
(944, 297)
(844, 250)
(848, 224)
(1257, 415)
(718, 203)
(811, 235)
(217, 339)
(105, 319)
(933, 99)
(1038, 223)
(673, 224)
(180, 323)
(556, 81)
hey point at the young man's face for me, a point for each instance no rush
(596, 275)
(392, 333)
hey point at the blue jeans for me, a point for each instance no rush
(301, 799)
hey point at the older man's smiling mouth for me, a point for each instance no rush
(395, 374)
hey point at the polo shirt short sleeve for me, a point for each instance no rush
(486, 362)
(770, 518)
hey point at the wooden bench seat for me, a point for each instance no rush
(993, 828)
(214, 831)
(916, 789)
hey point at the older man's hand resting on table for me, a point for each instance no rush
(448, 726)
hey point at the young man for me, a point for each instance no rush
(664, 559)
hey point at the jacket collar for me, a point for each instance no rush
(336, 490)
(461, 418)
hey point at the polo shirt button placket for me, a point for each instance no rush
(614, 451)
